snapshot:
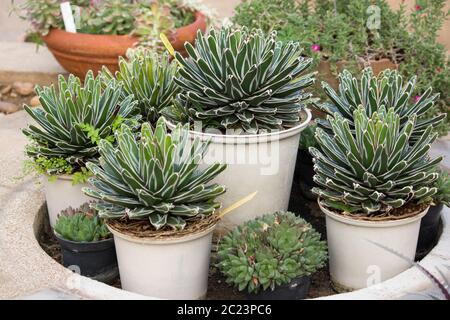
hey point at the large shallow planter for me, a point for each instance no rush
(297, 289)
(355, 259)
(79, 52)
(92, 259)
(429, 230)
(168, 268)
(61, 194)
(264, 163)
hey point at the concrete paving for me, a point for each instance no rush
(20, 61)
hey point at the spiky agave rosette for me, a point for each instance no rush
(241, 79)
(149, 78)
(387, 90)
(72, 114)
(376, 169)
(155, 178)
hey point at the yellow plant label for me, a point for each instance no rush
(237, 204)
(167, 44)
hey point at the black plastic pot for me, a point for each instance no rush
(304, 172)
(304, 168)
(429, 230)
(94, 259)
(297, 289)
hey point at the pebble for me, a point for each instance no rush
(6, 90)
(8, 107)
(34, 102)
(13, 95)
(23, 88)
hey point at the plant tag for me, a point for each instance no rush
(167, 44)
(69, 21)
(237, 204)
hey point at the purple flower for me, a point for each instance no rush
(315, 48)
(417, 98)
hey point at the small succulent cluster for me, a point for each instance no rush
(442, 185)
(75, 117)
(241, 79)
(145, 19)
(81, 225)
(155, 178)
(111, 17)
(44, 14)
(374, 167)
(149, 78)
(270, 251)
(152, 20)
(387, 90)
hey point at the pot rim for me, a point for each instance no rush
(162, 241)
(198, 16)
(251, 138)
(60, 237)
(371, 224)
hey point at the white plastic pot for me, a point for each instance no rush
(263, 163)
(61, 194)
(358, 257)
(174, 268)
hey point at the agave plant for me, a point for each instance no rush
(270, 251)
(377, 168)
(235, 78)
(149, 78)
(388, 90)
(156, 178)
(74, 117)
(442, 185)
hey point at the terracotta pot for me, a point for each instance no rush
(79, 52)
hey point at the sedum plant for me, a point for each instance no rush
(387, 90)
(152, 20)
(149, 78)
(241, 79)
(111, 17)
(156, 178)
(442, 185)
(377, 168)
(270, 251)
(81, 225)
(75, 117)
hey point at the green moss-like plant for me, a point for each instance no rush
(81, 225)
(270, 251)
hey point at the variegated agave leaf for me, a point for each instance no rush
(156, 178)
(377, 167)
(235, 78)
(149, 78)
(65, 113)
(387, 90)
